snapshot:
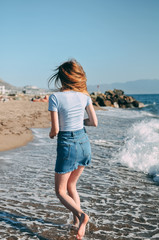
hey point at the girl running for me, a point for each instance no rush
(67, 106)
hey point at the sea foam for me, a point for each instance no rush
(141, 149)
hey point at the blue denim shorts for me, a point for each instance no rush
(73, 150)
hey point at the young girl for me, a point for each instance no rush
(67, 108)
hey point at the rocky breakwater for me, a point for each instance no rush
(115, 98)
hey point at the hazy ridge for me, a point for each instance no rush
(145, 86)
(133, 87)
(8, 86)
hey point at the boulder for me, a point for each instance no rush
(129, 99)
(95, 103)
(129, 105)
(110, 92)
(135, 103)
(100, 101)
(115, 99)
(108, 103)
(121, 101)
(118, 92)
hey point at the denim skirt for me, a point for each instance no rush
(73, 150)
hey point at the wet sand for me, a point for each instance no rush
(17, 117)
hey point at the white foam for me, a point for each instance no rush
(105, 143)
(124, 113)
(141, 149)
(40, 133)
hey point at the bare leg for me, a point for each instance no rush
(72, 191)
(61, 192)
(61, 186)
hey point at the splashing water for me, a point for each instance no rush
(141, 149)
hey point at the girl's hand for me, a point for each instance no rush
(92, 118)
(54, 125)
(51, 135)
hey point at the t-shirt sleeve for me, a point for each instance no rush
(89, 101)
(53, 103)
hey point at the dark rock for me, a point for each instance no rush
(108, 97)
(118, 92)
(110, 92)
(108, 103)
(135, 104)
(121, 101)
(100, 101)
(129, 99)
(115, 99)
(129, 105)
(95, 103)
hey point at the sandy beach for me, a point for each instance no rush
(17, 117)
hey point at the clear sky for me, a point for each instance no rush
(114, 40)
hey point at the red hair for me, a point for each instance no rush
(70, 76)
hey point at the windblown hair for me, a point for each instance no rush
(70, 76)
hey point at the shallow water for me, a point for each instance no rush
(121, 199)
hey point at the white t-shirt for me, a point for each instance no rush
(70, 106)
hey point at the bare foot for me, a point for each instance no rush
(74, 227)
(83, 221)
(76, 222)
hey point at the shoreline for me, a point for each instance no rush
(18, 117)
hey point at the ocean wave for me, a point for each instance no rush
(105, 143)
(140, 151)
(125, 113)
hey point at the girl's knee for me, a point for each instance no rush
(71, 187)
(60, 192)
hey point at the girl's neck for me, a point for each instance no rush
(65, 90)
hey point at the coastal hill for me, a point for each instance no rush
(133, 87)
(7, 85)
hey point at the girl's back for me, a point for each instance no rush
(70, 106)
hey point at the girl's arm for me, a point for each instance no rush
(54, 124)
(92, 118)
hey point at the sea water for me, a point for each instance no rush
(119, 190)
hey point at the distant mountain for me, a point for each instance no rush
(133, 87)
(8, 86)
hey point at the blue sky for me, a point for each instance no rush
(114, 40)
